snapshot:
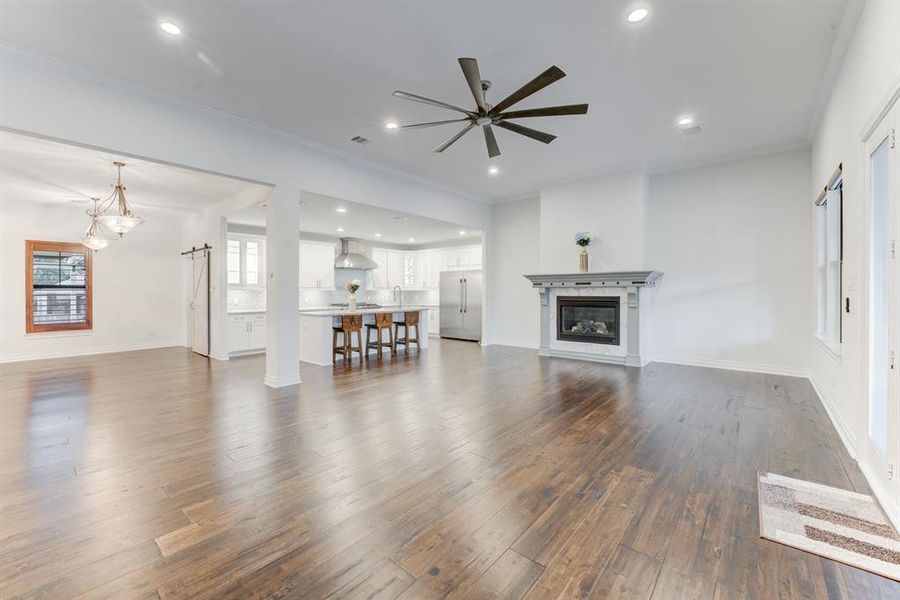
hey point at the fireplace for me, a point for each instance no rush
(590, 319)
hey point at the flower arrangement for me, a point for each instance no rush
(583, 238)
(353, 286)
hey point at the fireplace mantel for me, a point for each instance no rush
(610, 279)
(626, 284)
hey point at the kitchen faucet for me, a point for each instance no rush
(398, 296)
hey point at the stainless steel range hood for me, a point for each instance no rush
(351, 257)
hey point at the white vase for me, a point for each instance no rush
(583, 261)
(352, 304)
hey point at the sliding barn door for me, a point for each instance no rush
(200, 302)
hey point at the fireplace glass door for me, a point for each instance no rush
(591, 319)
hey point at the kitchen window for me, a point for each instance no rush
(57, 287)
(829, 221)
(245, 262)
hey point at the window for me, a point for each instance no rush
(251, 270)
(234, 262)
(829, 257)
(57, 286)
(246, 260)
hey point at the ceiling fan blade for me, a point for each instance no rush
(549, 111)
(424, 100)
(491, 141)
(549, 76)
(432, 124)
(527, 131)
(473, 77)
(449, 141)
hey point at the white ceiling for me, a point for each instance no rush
(39, 170)
(318, 214)
(750, 71)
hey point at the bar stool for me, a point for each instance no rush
(410, 321)
(349, 325)
(382, 321)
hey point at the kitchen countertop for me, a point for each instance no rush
(246, 311)
(337, 312)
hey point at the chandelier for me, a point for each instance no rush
(111, 217)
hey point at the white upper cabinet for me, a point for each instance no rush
(421, 268)
(380, 256)
(317, 265)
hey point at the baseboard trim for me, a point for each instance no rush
(600, 358)
(11, 358)
(849, 440)
(282, 381)
(882, 495)
(847, 437)
(731, 365)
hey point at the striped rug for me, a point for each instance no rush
(834, 523)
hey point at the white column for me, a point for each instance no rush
(282, 289)
(544, 348)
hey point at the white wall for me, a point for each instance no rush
(869, 73)
(733, 240)
(513, 250)
(612, 208)
(137, 284)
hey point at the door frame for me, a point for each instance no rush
(882, 472)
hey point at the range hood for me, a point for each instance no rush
(351, 257)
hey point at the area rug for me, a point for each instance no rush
(834, 523)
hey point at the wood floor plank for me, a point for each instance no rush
(461, 472)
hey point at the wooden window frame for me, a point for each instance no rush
(31, 246)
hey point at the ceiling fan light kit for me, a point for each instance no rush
(486, 116)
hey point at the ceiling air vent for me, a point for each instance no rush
(358, 139)
(692, 130)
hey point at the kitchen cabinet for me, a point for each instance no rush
(246, 332)
(317, 265)
(464, 257)
(390, 267)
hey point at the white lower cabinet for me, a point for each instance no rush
(246, 332)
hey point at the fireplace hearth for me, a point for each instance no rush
(589, 319)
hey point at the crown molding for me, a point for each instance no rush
(174, 101)
(846, 28)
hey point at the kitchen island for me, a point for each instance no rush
(316, 328)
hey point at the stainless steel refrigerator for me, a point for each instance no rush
(461, 305)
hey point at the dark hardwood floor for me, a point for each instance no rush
(464, 472)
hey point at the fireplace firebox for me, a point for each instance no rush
(591, 319)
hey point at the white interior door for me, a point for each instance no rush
(200, 302)
(883, 426)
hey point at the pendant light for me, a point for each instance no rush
(122, 220)
(107, 223)
(91, 237)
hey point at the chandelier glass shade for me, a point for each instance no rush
(111, 218)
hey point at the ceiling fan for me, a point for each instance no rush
(487, 115)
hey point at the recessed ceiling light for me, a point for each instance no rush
(391, 125)
(377, 235)
(461, 232)
(493, 169)
(412, 239)
(340, 210)
(340, 230)
(685, 121)
(170, 28)
(638, 15)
